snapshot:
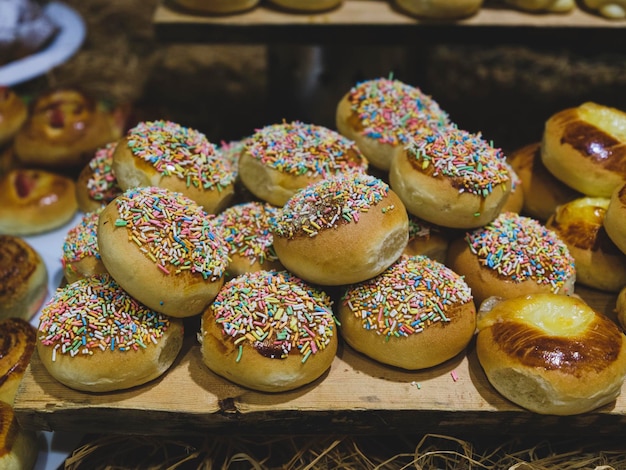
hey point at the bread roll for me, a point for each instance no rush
(426, 239)
(612, 9)
(615, 218)
(539, 6)
(17, 343)
(220, 7)
(13, 114)
(440, 9)
(309, 6)
(120, 344)
(551, 354)
(81, 256)
(18, 447)
(620, 307)
(515, 201)
(97, 185)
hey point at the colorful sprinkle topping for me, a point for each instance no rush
(408, 297)
(246, 229)
(330, 202)
(231, 152)
(181, 152)
(520, 248)
(391, 111)
(418, 229)
(96, 314)
(102, 184)
(472, 164)
(276, 313)
(81, 240)
(305, 149)
(173, 231)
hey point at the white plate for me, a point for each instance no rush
(67, 41)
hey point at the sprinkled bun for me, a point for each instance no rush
(168, 155)
(382, 115)
(580, 224)
(543, 193)
(307, 5)
(428, 318)
(246, 229)
(13, 114)
(515, 201)
(426, 239)
(585, 147)
(280, 159)
(451, 178)
(17, 343)
(512, 256)
(35, 201)
(123, 345)
(341, 230)
(18, 448)
(23, 279)
(440, 9)
(97, 185)
(162, 248)
(615, 218)
(220, 7)
(81, 257)
(269, 331)
(551, 354)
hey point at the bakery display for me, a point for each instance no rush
(440, 9)
(13, 114)
(615, 218)
(551, 354)
(416, 314)
(269, 331)
(96, 184)
(81, 256)
(18, 447)
(17, 343)
(341, 230)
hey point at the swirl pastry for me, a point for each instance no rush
(17, 343)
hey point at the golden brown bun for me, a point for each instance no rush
(35, 201)
(612, 9)
(18, 448)
(217, 6)
(450, 199)
(301, 343)
(615, 218)
(63, 130)
(440, 9)
(23, 279)
(426, 239)
(585, 148)
(409, 287)
(487, 258)
(538, 6)
(81, 257)
(96, 184)
(141, 348)
(599, 263)
(515, 201)
(307, 5)
(13, 114)
(17, 343)
(620, 307)
(141, 262)
(543, 193)
(358, 240)
(551, 354)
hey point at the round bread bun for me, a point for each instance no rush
(511, 256)
(580, 224)
(620, 307)
(63, 130)
(35, 201)
(306, 5)
(585, 148)
(13, 114)
(440, 9)
(96, 185)
(81, 257)
(612, 9)
(426, 239)
(451, 178)
(23, 279)
(217, 7)
(246, 229)
(615, 218)
(18, 448)
(428, 314)
(168, 155)
(163, 249)
(125, 345)
(17, 343)
(341, 230)
(551, 354)
(280, 159)
(300, 339)
(515, 201)
(539, 6)
(543, 193)
(381, 115)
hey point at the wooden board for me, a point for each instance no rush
(357, 395)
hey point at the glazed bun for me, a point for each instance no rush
(35, 201)
(620, 307)
(23, 279)
(551, 354)
(269, 331)
(220, 7)
(81, 256)
(585, 148)
(17, 343)
(427, 318)
(163, 249)
(451, 178)
(96, 185)
(511, 256)
(341, 230)
(13, 114)
(440, 9)
(580, 224)
(615, 218)
(306, 5)
(126, 344)
(18, 448)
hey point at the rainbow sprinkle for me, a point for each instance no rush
(520, 248)
(96, 314)
(276, 313)
(81, 240)
(408, 297)
(172, 231)
(102, 184)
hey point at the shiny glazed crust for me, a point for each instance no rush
(615, 218)
(18, 448)
(13, 114)
(17, 343)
